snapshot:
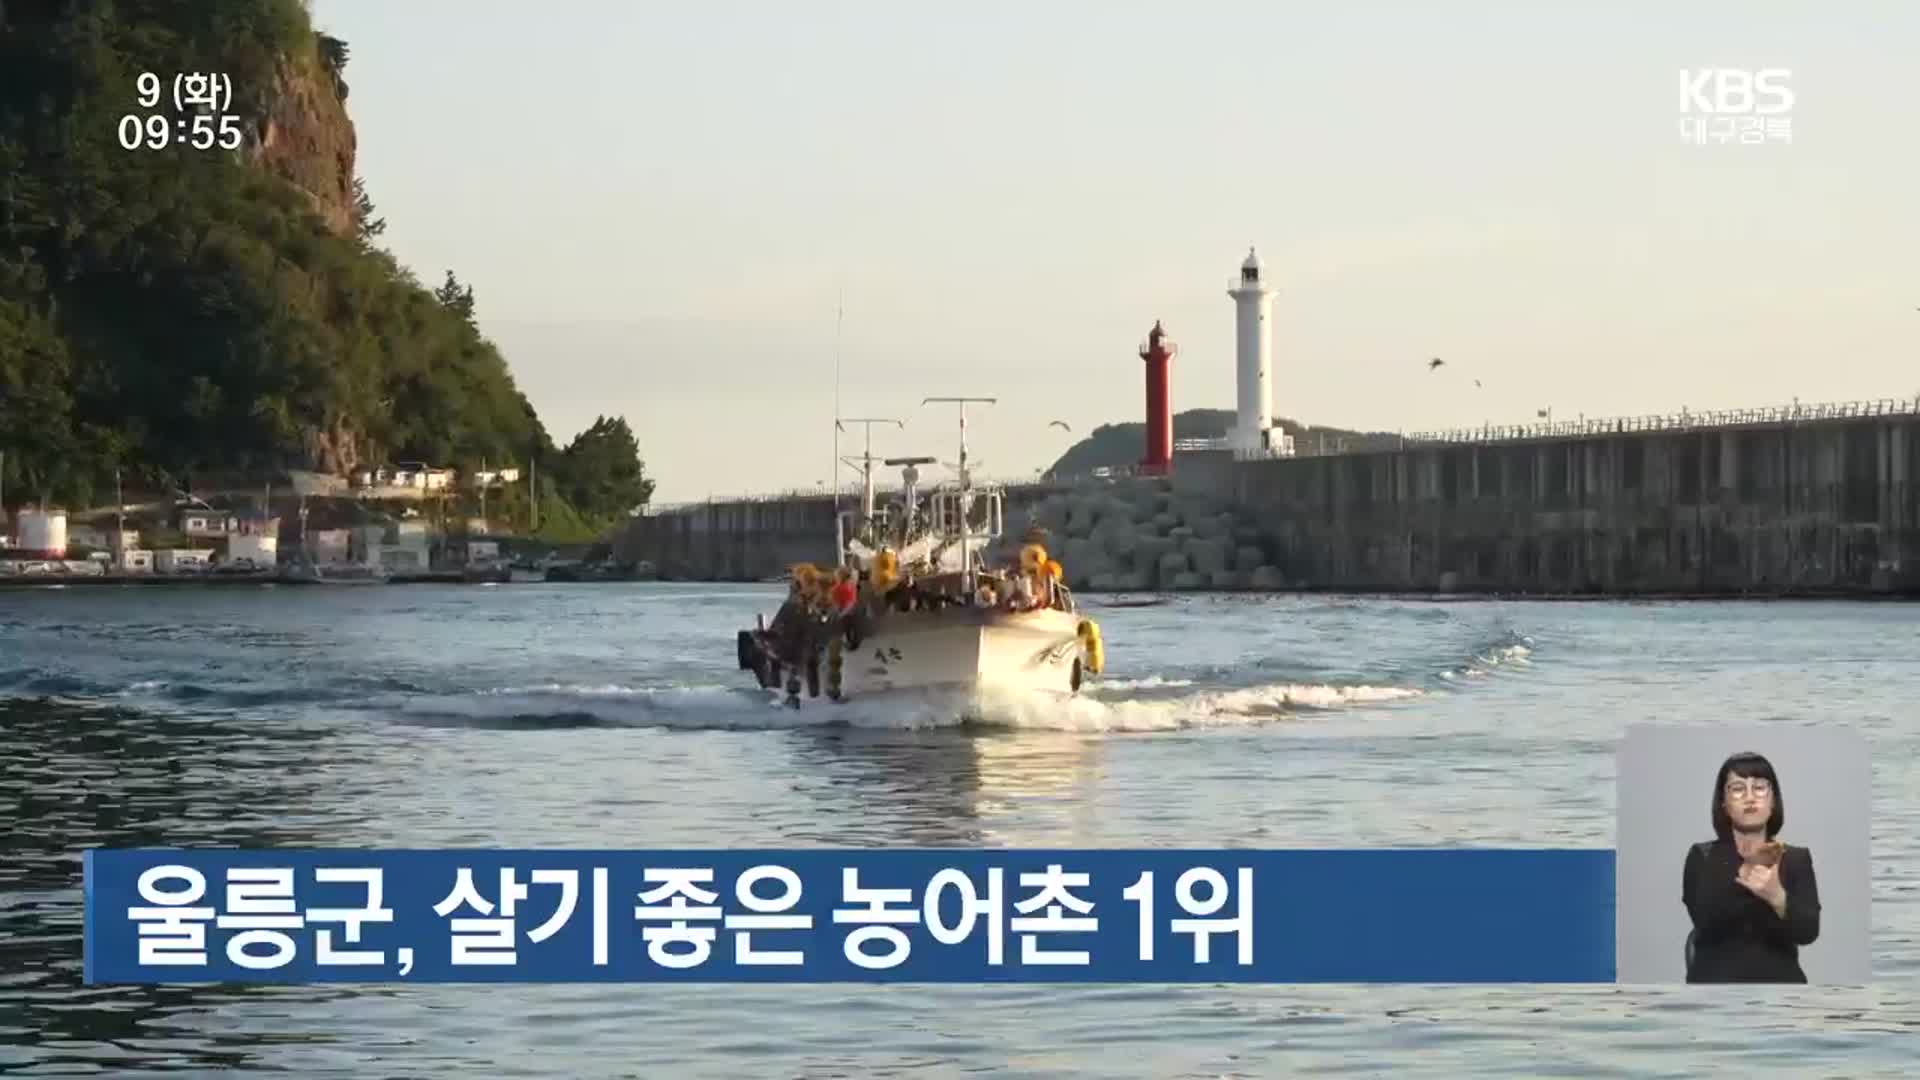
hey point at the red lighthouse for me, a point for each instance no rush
(1157, 352)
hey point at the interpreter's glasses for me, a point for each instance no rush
(1739, 788)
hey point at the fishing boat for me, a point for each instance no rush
(913, 602)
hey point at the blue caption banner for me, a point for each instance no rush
(815, 915)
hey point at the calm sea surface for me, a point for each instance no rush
(613, 716)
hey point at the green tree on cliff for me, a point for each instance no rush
(366, 226)
(601, 473)
(456, 298)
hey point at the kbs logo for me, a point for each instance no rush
(1729, 104)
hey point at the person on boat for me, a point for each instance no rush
(786, 634)
(1754, 901)
(986, 595)
(1023, 594)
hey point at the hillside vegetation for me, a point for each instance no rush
(187, 310)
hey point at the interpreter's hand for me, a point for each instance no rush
(1764, 882)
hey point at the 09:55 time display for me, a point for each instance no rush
(156, 132)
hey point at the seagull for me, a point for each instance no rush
(1434, 363)
(1476, 382)
(1062, 425)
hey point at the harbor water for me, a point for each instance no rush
(615, 716)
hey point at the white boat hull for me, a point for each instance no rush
(963, 649)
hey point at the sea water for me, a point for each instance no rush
(615, 716)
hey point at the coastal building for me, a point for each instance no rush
(401, 557)
(134, 561)
(255, 544)
(203, 524)
(496, 477)
(363, 543)
(406, 479)
(480, 551)
(182, 560)
(40, 533)
(253, 549)
(104, 538)
(397, 546)
(331, 545)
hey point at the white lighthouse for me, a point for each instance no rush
(1253, 300)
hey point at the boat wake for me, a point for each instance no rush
(1152, 704)
(1512, 650)
(1148, 703)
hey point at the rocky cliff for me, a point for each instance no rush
(303, 133)
(176, 313)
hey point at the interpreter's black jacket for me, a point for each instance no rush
(1736, 935)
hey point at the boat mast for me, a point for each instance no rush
(909, 493)
(865, 463)
(840, 540)
(966, 486)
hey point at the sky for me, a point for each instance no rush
(720, 219)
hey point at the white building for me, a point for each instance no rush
(41, 531)
(182, 560)
(260, 550)
(208, 524)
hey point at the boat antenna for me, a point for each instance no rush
(839, 316)
(865, 462)
(966, 484)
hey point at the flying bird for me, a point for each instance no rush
(1434, 363)
(1062, 425)
(1476, 382)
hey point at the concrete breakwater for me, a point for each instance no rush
(1826, 505)
(742, 540)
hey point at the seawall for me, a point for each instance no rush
(1821, 505)
(1763, 505)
